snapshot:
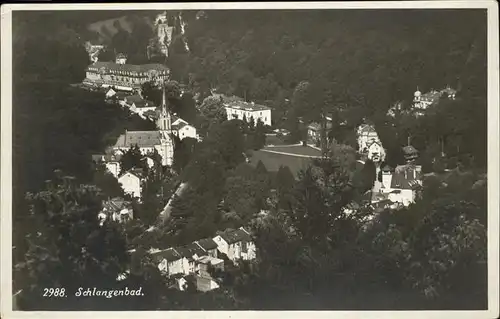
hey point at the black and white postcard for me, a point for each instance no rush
(317, 159)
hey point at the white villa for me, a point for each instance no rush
(240, 109)
(131, 182)
(366, 136)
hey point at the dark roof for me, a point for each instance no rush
(134, 98)
(97, 158)
(143, 68)
(207, 243)
(140, 138)
(112, 157)
(405, 177)
(234, 236)
(138, 101)
(386, 168)
(190, 250)
(116, 204)
(241, 105)
(409, 150)
(136, 172)
(169, 254)
(121, 95)
(179, 126)
(317, 126)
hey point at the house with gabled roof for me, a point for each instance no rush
(366, 136)
(118, 209)
(238, 109)
(399, 185)
(191, 254)
(110, 161)
(208, 245)
(236, 244)
(137, 104)
(131, 182)
(169, 261)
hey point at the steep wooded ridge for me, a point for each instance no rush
(358, 64)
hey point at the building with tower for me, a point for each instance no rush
(160, 140)
(400, 185)
(164, 125)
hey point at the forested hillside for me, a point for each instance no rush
(352, 63)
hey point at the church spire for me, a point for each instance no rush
(164, 121)
(164, 101)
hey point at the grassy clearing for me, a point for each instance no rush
(298, 149)
(273, 161)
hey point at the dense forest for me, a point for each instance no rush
(312, 255)
(353, 64)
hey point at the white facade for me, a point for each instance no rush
(131, 184)
(141, 110)
(376, 152)
(222, 246)
(172, 267)
(234, 251)
(403, 196)
(251, 252)
(113, 168)
(185, 131)
(241, 110)
(366, 136)
(124, 215)
(110, 93)
(397, 185)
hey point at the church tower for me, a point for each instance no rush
(164, 124)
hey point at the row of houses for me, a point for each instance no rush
(423, 101)
(198, 258)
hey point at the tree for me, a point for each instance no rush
(260, 168)
(117, 25)
(212, 108)
(68, 247)
(131, 159)
(187, 107)
(366, 177)
(151, 92)
(260, 136)
(106, 182)
(284, 179)
(106, 55)
(182, 152)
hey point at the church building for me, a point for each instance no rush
(149, 141)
